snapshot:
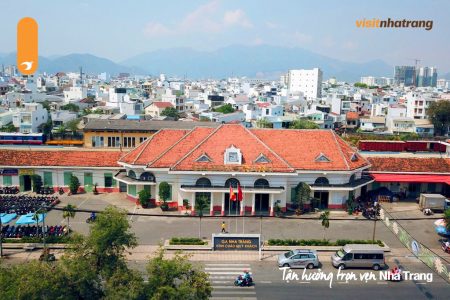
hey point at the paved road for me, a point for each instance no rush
(269, 283)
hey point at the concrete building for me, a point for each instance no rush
(156, 108)
(30, 117)
(404, 75)
(426, 76)
(308, 82)
(75, 93)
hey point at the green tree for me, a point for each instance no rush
(360, 85)
(164, 192)
(447, 218)
(225, 109)
(201, 203)
(71, 107)
(144, 198)
(8, 128)
(170, 112)
(109, 237)
(302, 195)
(325, 218)
(61, 130)
(46, 105)
(125, 284)
(303, 124)
(74, 184)
(69, 212)
(439, 114)
(264, 123)
(37, 182)
(176, 278)
(72, 125)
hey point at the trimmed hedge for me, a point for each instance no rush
(293, 242)
(49, 240)
(186, 241)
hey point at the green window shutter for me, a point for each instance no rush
(147, 187)
(48, 179)
(88, 179)
(7, 180)
(67, 176)
(108, 180)
(293, 192)
(21, 183)
(132, 190)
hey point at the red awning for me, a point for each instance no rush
(411, 178)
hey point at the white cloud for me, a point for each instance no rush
(272, 25)
(301, 38)
(206, 18)
(236, 17)
(153, 29)
(349, 45)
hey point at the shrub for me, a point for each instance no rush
(144, 198)
(315, 242)
(186, 241)
(74, 184)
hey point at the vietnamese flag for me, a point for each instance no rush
(232, 194)
(239, 195)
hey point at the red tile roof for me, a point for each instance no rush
(404, 165)
(59, 158)
(286, 150)
(351, 115)
(161, 104)
(154, 146)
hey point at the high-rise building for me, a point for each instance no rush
(426, 76)
(404, 75)
(308, 82)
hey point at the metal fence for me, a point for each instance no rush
(434, 261)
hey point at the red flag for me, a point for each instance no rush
(232, 194)
(239, 195)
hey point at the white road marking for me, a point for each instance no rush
(219, 282)
(220, 287)
(224, 273)
(226, 269)
(134, 210)
(380, 282)
(222, 277)
(228, 298)
(234, 292)
(305, 282)
(228, 265)
(265, 281)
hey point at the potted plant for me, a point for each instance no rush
(74, 185)
(164, 195)
(144, 198)
(186, 204)
(95, 189)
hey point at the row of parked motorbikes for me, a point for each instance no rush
(23, 204)
(45, 191)
(9, 190)
(19, 231)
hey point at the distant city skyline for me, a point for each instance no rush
(119, 30)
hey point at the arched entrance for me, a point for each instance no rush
(203, 182)
(261, 199)
(321, 196)
(232, 207)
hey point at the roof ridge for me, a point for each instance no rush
(355, 149)
(193, 149)
(145, 147)
(270, 149)
(171, 147)
(340, 149)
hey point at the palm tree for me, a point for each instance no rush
(201, 204)
(40, 211)
(325, 217)
(69, 212)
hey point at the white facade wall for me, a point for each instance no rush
(309, 82)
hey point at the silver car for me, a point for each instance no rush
(299, 259)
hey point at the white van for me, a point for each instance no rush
(359, 256)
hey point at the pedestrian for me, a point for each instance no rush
(224, 227)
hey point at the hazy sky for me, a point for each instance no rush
(119, 29)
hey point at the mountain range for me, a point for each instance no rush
(261, 61)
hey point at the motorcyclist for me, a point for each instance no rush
(246, 276)
(93, 216)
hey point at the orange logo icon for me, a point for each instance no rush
(27, 46)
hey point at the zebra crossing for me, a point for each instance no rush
(222, 276)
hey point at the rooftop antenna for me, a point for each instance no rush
(81, 76)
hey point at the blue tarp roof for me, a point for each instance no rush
(133, 117)
(6, 218)
(28, 219)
